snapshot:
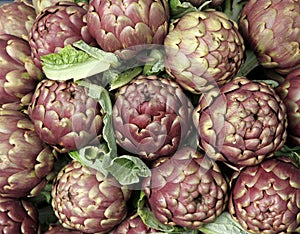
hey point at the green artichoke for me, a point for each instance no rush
(18, 74)
(187, 190)
(272, 29)
(119, 24)
(85, 200)
(151, 117)
(265, 197)
(288, 90)
(57, 26)
(26, 162)
(40, 5)
(18, 216)
(64, 115)
(203, 49)
(16, 18)
(241, 123)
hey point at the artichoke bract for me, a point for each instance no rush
(57, 26)
(119, 24)
(204, 49)
(18, 216)
(64, 115)
(40, 5)
(265, 197)
(272, 29)
(85, 200)
(59, 229)
(241, 123)
(151, 117)
(18, 74)
(16, 18)
(288, 90)
(27, 163)
(188, 189)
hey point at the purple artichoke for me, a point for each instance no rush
(151, 117)
(272, 29)
(265, 197)
(64, 116)
(241, 123)
(57, 26)
(26, 162)
(40, 5)
(187, 190)
(87, 201)
(59, 229)
(203, 49)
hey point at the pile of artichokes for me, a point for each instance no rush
(149, 116)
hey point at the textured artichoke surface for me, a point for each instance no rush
(187, 190)
(16, 18)
(57, 26)
(151, 117)
(26, 162)
(18, 216)
(116, 25)
(64, 116)
(288, 90)
(87, 201)
(59, 229)
(40, 5)
(272, 29)
(204, 49)
(241, 123)
(18, 74)
(265, 197)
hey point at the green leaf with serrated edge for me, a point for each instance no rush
(178, 8)
(124, 78)
(292, 152)
(223, 224)
(156, 63)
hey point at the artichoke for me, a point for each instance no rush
(133, 224)
(119, 24)
(288, 90)
(59, 229)
(57, 26)
(18, 216)
(27, 164)
(64, 116)
(265, 197)
(203, 50)
(18, 74)
(272, 29)
(241, 123)
(16, 18)
(85, 200)
(151, 117)
(40, 5)
(188, 189)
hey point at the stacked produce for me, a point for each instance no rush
(149, 116)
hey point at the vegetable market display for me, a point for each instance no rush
(150, 116)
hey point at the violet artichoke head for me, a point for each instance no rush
(265, 197)
(59, 229)
(272, 29)
(188, 190)
(203, 50)
(151, 117)
(26, 162)
(85, 200)
(241, 123)
(57, 26)
(64, 115)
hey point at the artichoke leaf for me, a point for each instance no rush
(292, 152)
(233, 8)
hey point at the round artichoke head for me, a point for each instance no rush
(57, 26)
(18, 74)
(203, 50)
(64, 115)
(288, 90)
(26, 162)
(265, 197)
(85, 200)
(188, 190)
(151, 117)
(272, 29)
(18, 216)
(241, 123)
(16, 18)
(118, 24)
